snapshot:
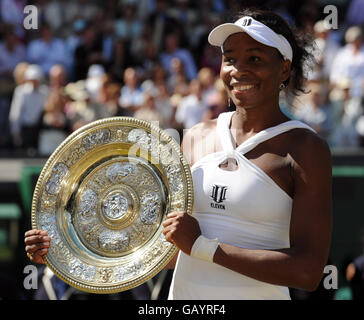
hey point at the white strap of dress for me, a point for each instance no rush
(223, 131)
(269, 133)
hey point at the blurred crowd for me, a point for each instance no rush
(150, 59)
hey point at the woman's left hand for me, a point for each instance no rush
(181, 229)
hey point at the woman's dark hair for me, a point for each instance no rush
(302, 46)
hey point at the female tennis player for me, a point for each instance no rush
(262, 205)
(262, 183)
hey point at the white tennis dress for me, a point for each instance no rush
(244, 208)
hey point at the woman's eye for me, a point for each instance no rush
(229, 60)
(254, 59)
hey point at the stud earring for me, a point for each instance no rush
(282, 86)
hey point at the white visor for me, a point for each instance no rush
(255, 29)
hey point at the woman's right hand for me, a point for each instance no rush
(37, 243)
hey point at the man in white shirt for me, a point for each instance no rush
(131, 93)
(26, 108)
(349, 62)
(192, 107)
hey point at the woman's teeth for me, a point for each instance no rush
(245, 87)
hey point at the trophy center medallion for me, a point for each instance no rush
(115, 206)
(118, 207)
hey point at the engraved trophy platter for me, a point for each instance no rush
(102, 197)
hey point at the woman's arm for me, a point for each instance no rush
(301, 265)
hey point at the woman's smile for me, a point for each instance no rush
(243, 89)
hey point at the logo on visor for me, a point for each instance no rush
(218, 195)
(246, 22)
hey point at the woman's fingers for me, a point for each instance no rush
(34, 232)
(33, 248)
(36, 239)
(37, 243)
(38, 256)
(172, 215)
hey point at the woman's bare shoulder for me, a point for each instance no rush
(202, 126)
(199, 140)
(199, 131)
(305, 141)
(310, 152)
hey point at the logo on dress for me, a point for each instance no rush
(218, 195)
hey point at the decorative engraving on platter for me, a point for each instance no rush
(102, 197)
(58, 172)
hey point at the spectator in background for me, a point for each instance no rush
(142, 7)
(164, 106)
(110, 95)
(315, 111)
(177, 80)
(87, 53)
(81, 110)
(349, 62)
(154, 80)
(120, 60)
(139, 46)
(159, 75)
(128, 27)
(26, 109)
(346, 111)
(158, 21)
(217, 102)
(191, 108)
(172, 50)
(148, 110)
(57, 77)
(108, 41)
(150, 60)
(12, 11)
(52, 12)
(54, 123)
(11, 54)
(131, 93)
(72, 41)
(207, 79)
(354, 14)
(211, 6)
(200, 31)
(54, 126)
(19, 73)
(93, 81)
(327, 48)
(47, 50)
(211, 58)
(183, 14)
(79, 9)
